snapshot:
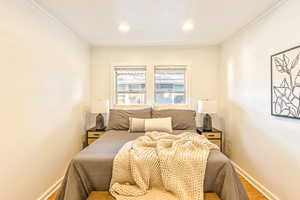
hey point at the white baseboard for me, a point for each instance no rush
(262, 189)
(51, 190)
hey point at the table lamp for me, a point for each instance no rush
(99, 107)
(207, 107)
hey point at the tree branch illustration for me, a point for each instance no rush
(285, 93)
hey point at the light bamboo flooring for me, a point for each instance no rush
(252, 192)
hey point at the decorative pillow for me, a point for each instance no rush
(181, 119)
(159, 124)
(119, 118)
(136, 125)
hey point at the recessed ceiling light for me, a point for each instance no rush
(124, 27)
(188, 26)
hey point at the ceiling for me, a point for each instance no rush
(155, 22)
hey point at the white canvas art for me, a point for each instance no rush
(285, 83)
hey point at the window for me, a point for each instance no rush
(170, 85)
(141, 85)
(130, 85)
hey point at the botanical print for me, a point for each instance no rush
(285, 80)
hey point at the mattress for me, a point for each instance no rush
(91, 170)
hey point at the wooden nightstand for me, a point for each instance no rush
(92, 135)
(215, 136)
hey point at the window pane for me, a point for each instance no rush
(131, 80)
(130, 86)
(130, 99)
(169, 98)
(170, 86)
(169, 80)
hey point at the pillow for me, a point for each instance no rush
(181, 119)
(159, 124)
(136, 125)
(119, 118)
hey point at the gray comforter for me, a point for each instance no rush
(91, 169)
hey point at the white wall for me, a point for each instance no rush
(44, 86)
(203, 63)
(266, 147)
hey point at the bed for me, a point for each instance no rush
(91, 169)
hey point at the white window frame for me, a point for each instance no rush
(150, 82)
(186, 82)
(114, 81)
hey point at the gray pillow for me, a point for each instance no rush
(119, 119)
(181, 119)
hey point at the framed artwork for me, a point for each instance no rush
(285, 83)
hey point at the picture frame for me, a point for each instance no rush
(285, 83)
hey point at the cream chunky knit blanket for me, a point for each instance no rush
(161, 166)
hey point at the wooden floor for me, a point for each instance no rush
(252, 192)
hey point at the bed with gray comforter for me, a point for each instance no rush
(91, 170)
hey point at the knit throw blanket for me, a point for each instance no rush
(161, 166)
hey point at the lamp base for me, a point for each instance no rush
(101, 129)
(100, 122)
(207, 124)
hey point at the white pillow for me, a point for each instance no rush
(159, 124)
(136, 125)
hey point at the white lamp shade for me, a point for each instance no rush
(207, 106)
(99, 106)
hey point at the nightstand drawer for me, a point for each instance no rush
(91, 140)
(218, 143)
(211, 135)
(95, 133)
